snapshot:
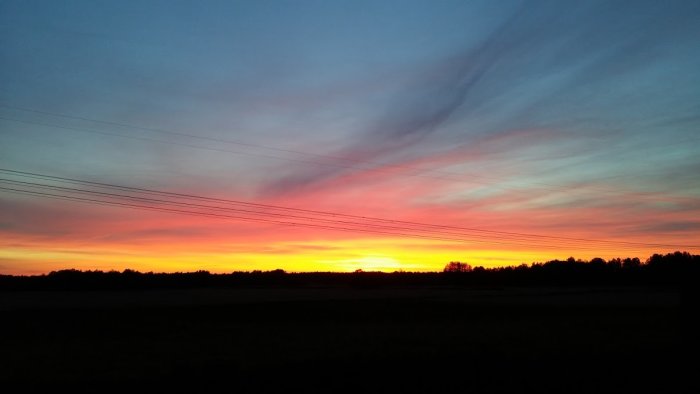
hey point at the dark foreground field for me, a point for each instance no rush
(342, 339)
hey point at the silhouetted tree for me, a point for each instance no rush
(631, 263)
(678, 268)
(457, 266)
(615, 263)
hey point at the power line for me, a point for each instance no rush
(276, 207)
(326, 217)
(240, 143)
(417, 171)
(249, 219)
(425, 229)
(377, 170)
(170, 210)
(181, 134)
(332, 214)
(107, 133)
(187, 205)
(227, 141)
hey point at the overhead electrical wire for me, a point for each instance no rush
(251, 154)
(215, 215)
(374, 170)
(354, 225)
(374, 166)
(249, 211)
(276, 207)
(244, 144)
(283, 223)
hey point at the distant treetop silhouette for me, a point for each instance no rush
(457, 266)
(672, 269)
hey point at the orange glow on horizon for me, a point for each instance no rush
(49, 237)
(385, 255)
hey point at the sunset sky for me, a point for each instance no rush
(529, 130)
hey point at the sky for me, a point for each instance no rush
(489, 132)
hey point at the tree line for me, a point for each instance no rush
(678, 268)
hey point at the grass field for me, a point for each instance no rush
(342, 339)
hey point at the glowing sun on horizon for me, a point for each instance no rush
(372, 263)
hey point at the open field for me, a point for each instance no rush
(343, 339)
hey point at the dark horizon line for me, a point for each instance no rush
(451, 267)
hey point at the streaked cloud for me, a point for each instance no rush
(547, 117)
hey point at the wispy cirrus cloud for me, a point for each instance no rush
(544, 65)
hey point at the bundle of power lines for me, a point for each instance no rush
(97, 193)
